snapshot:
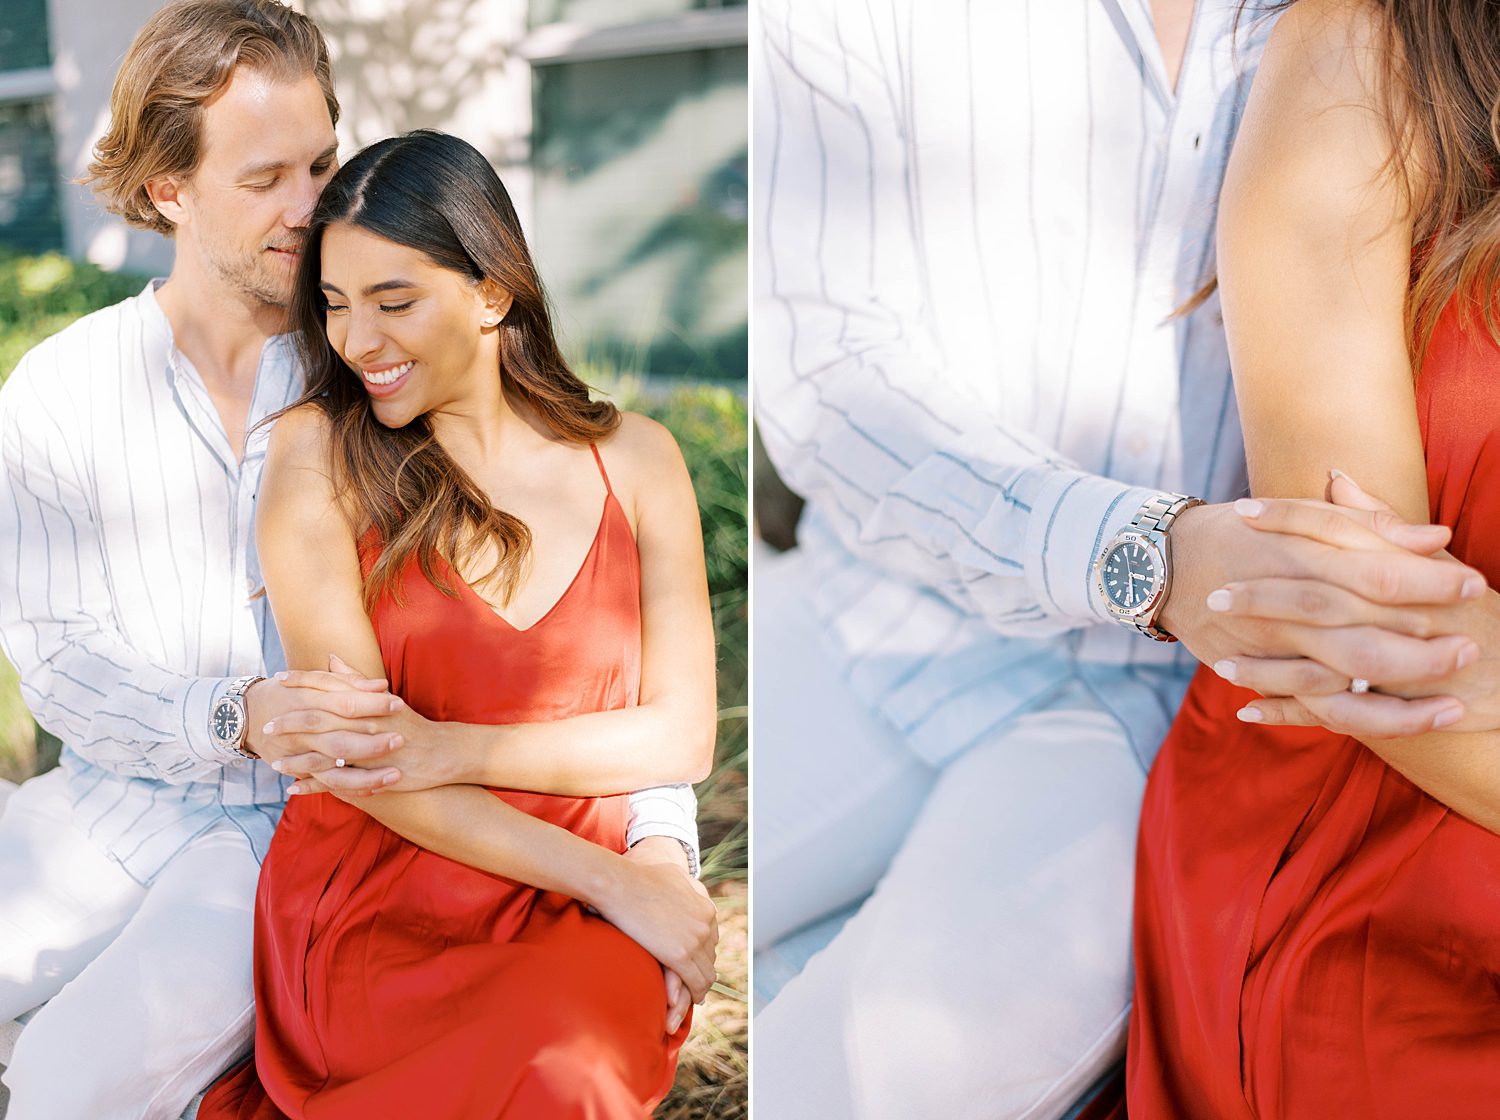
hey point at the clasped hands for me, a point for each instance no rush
(1294, 599)
(339, 732)
(305, 722)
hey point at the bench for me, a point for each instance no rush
(11, 1031)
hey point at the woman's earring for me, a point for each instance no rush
(491, 320)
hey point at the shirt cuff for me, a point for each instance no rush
(195, 702)
(670, 811)
(1073, 517)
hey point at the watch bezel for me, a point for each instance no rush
(238, 704)
(1144, 609)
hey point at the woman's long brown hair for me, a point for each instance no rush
(1442, 104)
(1441, 100)
(434, 193)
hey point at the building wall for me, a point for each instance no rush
(619, 129)
(89, 39)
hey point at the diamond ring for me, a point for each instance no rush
(1358, 686)
(341, 762)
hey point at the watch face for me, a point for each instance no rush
(227, 722)
(1130, 575)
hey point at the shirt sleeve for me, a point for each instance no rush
(79, 676)
(855, 402)
(666, 811)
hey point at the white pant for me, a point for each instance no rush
(147, 990)
(988, 975)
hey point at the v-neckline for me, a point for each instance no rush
(583, 566)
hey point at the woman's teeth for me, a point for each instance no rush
(387, 376)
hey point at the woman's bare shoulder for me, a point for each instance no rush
(300, 438)
(643, 441)
(1328, 53)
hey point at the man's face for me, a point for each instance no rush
(268, 150)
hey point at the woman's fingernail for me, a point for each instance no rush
(1448, 717)
(293, 789)
(1220, 600)
(1250, 715)
(1468, 655)
(396, 704)
(1249, 507)
(1336, 473)
(397, 742)
(281, 676)
(1473, 587)
(279, 766)
(1225, 669)
(269, 729)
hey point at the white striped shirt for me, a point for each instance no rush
(973, 224)
(130, 603)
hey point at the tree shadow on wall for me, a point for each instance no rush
(420, 65)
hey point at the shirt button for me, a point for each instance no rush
(249, 586)
(1138, 444)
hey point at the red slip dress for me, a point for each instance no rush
(394, 982)
(1315, 937)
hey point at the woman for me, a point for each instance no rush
(1318, 919)
(446, 503)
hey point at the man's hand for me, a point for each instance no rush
(1300, 694)
(670, 915)
(1373, 584)
(667, 852)
(326, 716)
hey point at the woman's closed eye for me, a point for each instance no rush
(393, 307)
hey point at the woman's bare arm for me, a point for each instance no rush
(1315, 246)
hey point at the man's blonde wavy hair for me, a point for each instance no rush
(183, 57)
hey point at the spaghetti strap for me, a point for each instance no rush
(608, 489)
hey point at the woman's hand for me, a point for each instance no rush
(1304, 693)
(420, 764)
(670, 915)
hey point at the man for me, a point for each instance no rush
(132, 607)
(977, 225)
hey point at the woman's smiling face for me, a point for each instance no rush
(419, 336)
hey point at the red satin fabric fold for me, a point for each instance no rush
(1315, 936)
(391, 981)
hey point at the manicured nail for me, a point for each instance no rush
(1336, 473)
(281, 676)
(269, 729)
(293, 790)
(1468, 655)
(1447, 717)
(391, 778)
(397, 742)
(1226, 669)
(1249, 507)
(1220, 600)
(396, 704)
(1250, 715)
(1473, 587)
(279, 766)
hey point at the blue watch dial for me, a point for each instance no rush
(227, 723)
(1130, 575)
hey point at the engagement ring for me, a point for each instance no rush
(1357, 686)
(340, 761)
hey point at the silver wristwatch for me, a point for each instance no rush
(1134, 573)
(227, 722)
